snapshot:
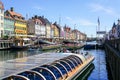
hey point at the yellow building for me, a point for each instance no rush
(20, 29)
(56, 30)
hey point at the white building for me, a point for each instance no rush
(37, 27)
(1, 19)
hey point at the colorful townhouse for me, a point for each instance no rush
(62, 33)
(82, 36)
(52, 32)
(72, 35)
(38, 24)
(31, 26)
(1, 19)
(48, 29)
(37, 27)
(8, 25)
(34, 26)
(20, 24)
(43, 32)
(114, 33)
(67, 32)
(56, 32)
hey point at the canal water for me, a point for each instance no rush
(97, 70)
(100, 71)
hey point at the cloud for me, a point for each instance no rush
(103, 9)
(38, 8)
(86, 23)
(82, 22)
(69, 18)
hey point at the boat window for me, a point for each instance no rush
(62, 69)
(54, 70)
(66, 65)
(1, 44)
(78, 59)
(74, 61)
(9, 44)
(45, 72)
(69, 62)
(4, 44)
(32, 75)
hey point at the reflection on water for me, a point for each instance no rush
(8, 54)
(86, 73)
(100, 71)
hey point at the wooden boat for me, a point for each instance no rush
(34, 48)
(5, 44)
(72, 45)
(21, 44)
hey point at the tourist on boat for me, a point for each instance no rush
(65, 50)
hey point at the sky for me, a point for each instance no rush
(77, 14)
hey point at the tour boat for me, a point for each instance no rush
(68, 67)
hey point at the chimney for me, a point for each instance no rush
(12, 9)
(36, 16)
(43, 16)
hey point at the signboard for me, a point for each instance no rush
(101, 32)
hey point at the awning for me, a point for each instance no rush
(40, 41)
(26, 39)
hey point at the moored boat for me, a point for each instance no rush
(21, 44)
(5, 44)
(72, 45)
(65, 68)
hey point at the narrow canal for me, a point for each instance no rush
(98, 71)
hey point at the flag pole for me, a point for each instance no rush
(98, 26)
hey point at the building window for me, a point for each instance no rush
(1, 24)
(2, 18)
(0, 11)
